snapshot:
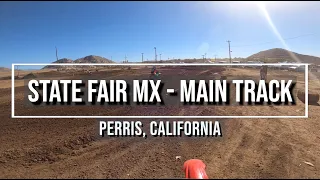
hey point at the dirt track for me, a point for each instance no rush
(69, 148)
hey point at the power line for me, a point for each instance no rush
(268, 42)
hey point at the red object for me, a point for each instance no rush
(195, 169)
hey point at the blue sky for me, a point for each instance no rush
(29, 31)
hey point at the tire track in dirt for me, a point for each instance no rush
(151, 164)
(203, 148)
(105, 162)
(84, 160)
(262, 151)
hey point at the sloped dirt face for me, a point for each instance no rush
(70, 148)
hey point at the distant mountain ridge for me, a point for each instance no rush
(91, 59)
(279, 54)
(271, 56)
(4, 69)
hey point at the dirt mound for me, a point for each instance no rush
(313, 97)
(29, 76)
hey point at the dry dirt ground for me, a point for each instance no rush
(70, 148)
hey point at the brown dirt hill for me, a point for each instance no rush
(63, 60)
(93, 59)
(88, 59)
(278, 54)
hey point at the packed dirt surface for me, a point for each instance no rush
(71, 148)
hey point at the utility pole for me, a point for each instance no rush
(229, 51)
(215, 57)
(205, 55)
(142, 56)
(57, 54)
(155, 53)
(202, 56)
(160, 57)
